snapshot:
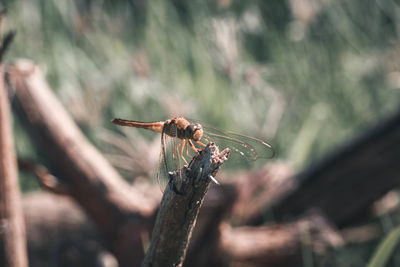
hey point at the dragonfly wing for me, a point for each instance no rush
(170, 159)
(240, 152)
(246, 147)
(162, 173)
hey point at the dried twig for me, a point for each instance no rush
(178, 211)
(45, 178)
(12, 226)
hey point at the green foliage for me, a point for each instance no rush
(303, 77)
(384, 251)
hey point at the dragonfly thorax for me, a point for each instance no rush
(181, 128)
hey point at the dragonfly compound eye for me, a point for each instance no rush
(198, 132)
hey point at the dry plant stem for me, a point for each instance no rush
(12, 226)
(178, 211)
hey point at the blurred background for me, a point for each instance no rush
(306, 75)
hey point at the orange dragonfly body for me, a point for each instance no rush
(177, 127)
(190, 134)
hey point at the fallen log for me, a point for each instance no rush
(347, 182)
(279, 244)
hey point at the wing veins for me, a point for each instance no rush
(251, 148)
(237, 135)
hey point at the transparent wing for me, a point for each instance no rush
(162, 172)
(243, 147)
(171, 157)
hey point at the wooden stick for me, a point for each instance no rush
(179, 208)
(12, 226)
(45, 178)
(204, 248)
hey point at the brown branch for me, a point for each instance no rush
(259, 189)
(279, 245)
(45, 178)
(180, 206)
(12, 227)
(204, 244)
(121, 212)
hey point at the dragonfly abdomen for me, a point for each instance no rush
(152, 126)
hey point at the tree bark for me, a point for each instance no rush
(180, 206)
(204, 248)
(12, 227)
(344, 184)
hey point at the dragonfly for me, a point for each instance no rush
(189, 137)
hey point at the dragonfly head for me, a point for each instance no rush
(194, 131)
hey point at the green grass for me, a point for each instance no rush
(305, 83)
(384, 251)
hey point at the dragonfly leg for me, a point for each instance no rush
(186, 146)
(175, 149)
(192, 146)
(183, 146)
(200, 143)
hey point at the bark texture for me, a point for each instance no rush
(12, 226)
(180, 206)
